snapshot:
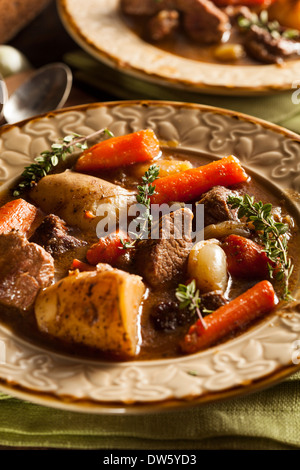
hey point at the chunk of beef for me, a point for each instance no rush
(262, 46)
(216, 208)
(25, 268)
(203, 21)
(213, 300)
(145, 7)
(53, 235)
(164, 259)
(162, 25)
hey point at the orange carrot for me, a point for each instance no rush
(190, 184)
(17, 214)
(245, 258)
(89, 215)
(107, 249)
(141, 146)
(81, 266)
(228, 319)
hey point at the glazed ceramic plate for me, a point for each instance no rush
(97, 26)
(249, 362)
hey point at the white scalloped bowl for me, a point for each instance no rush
(98, 28)
(257, 358)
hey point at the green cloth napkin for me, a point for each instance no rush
(280, 108)
(266, 420)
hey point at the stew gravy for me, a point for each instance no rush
(153, 344)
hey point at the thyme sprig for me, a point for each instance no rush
(272, 235)
(189, 297)
(143, 197)
(262, 21)
(48, 159)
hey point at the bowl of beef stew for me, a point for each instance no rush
(199, 46)
(184, 299)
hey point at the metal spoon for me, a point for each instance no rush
(46, 90)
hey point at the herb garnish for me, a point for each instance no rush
(145, 191)
(49, 159)
(189, 297)
(262, 21)
(271, 233)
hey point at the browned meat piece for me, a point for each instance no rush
(145, 7)
(53, 235)
(163, 24)
(213, 300)
(216, 208)
(164, 259)
(262, 46)
(203, 21)
(25, 268)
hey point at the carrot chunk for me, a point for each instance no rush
(228, 319)
(246, 258)
(141, 146)
(81, 266)
(107, 249)
(17, 215)
(190, 184)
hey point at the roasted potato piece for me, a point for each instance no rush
(77, 198)
(98, 309)
(166, 167)
(228, 52)
(286, 12)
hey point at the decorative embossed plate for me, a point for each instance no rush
(97, 26)
(257, 358)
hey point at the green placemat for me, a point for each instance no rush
(280, 108)
(266, 420)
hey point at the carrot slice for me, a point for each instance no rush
(190, 184)
(228, 319)
(81, 266)
(107, 249)
(141, 146)
(17, 215)
(246, 258)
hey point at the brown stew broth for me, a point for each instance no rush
(154, 344)
(180, 45)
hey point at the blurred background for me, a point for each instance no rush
(34, 28)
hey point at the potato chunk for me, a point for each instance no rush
(97, 309)
(166, 167)
(77, 198)
(286, 12)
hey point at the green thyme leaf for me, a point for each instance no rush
(189, 297)
(143, 197)
(48, 159)
(291, 34)
(272, 235)
(262, 21)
